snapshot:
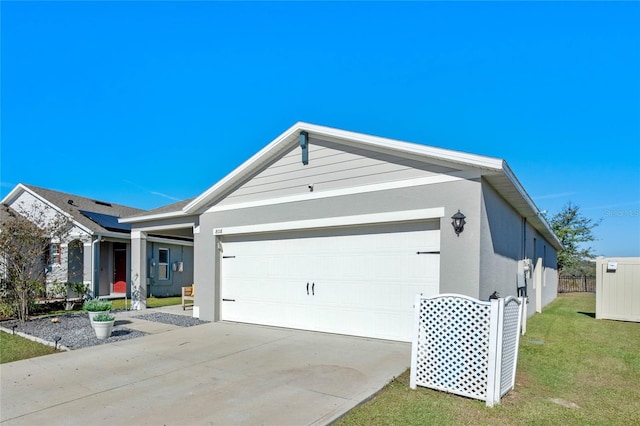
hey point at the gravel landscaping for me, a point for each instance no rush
(75, 330)
(165, 318)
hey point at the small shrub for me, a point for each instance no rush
(103, 317)
(79, 289)
(57, 290)
(7, 310)
(97, 305)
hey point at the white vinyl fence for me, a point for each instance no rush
(466, 346)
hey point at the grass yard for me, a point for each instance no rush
(586, 372)
(15, 348)
(152, 302)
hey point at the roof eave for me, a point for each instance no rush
(13, 195)
(262, 156)
(535, 215)
(275, 147)
(146, 218)
(489, 165)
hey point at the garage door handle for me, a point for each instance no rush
(427, 252)
(228, 300)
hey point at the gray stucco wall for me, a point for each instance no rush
(459, 258)
(177, 280)
(501, 245)
(507, 238)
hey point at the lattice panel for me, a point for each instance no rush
(453, 345)
(510, 334)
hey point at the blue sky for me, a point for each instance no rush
(146, 103)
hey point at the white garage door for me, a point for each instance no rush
(358, 280)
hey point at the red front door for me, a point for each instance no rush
(119, 270)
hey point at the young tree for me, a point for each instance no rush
(25, 238)
(573, 230)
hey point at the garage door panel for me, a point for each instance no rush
(365, 278)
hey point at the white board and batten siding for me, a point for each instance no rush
(330, 167)
(359, 280)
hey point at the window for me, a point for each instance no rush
(163, 264)
(55, 254)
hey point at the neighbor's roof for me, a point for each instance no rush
(495, 170)
(170, 210)
(74, 205)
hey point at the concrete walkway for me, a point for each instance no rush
(128, 319)
(217, 374)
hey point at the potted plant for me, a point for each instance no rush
(96, 306)
(102, 324)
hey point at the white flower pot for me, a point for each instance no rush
(103, 328)
(94, 313)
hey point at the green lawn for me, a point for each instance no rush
(152, 302)
(15, 348)
(586, 372)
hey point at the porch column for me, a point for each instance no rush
(138, 270)
(95, 267)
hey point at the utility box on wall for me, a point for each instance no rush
(618, 288)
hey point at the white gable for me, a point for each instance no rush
(29, 205)
(331, 166)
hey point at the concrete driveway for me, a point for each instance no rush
(217, 374)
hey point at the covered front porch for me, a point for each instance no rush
(162, 261)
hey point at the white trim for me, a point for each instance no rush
(167, 215)
(167, 263)
(169, 241)
(15, 193)
(140, 235)
(401, 146)
(537, 215)
(365, 219)
(165, 227)
(267, 152)
(278, 145)
(349, 191)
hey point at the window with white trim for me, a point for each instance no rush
(55, 254)
(163, 264)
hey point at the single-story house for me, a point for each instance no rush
(97, 249)
(336, 231)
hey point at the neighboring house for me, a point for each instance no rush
(97, 251)
(336, 231)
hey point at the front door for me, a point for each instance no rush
(119, 270)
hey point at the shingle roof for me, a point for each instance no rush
(169, 208)
(72, 204)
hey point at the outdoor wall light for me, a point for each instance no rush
(458, 222)
(304, 144)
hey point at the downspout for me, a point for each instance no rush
(522, 292)
(524, 237)
(96, 266)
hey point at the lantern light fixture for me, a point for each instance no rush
(458, 222)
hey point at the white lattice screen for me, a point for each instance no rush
(510, 339)
(455, 351)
